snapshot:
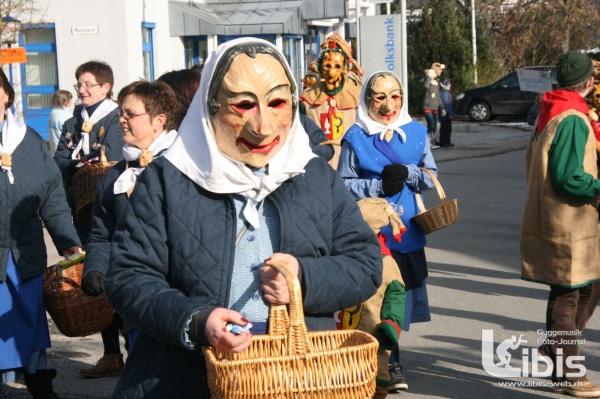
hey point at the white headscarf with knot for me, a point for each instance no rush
(195, 152)
(13, 133)
(369, 125)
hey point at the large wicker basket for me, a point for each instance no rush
(85, 185)
(74, 313)
(439, 216)
(290, 362)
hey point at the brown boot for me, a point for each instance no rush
(381, 392)
(107, 366)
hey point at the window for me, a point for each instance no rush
(293, 55)
(196, 50)
(147, 50)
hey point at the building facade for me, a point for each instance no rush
(142, 39)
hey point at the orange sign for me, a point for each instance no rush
(11, 55)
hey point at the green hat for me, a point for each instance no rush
(573, 67)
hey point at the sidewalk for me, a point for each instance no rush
(68, 355)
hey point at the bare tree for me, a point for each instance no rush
(15, 12)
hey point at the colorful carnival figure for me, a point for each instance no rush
(332, 101)
(382, 156)
(239, 190)
(382, 315)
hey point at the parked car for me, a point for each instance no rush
(503, 98)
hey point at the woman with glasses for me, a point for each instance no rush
(96, 124)
(149, 114)
(31, 197)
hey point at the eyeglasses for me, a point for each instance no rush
(86, 86)
(129, 115)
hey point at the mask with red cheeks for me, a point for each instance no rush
(385, 101)
(255, 113)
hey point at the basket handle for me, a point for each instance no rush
(297, 334)
(440, 192)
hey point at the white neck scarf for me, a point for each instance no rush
(128, 178)
(370, 126)
(13, 133)
(103, 109)
(195, 152)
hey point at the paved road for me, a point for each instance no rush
(471, 286)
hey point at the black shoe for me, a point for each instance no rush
(445, 145)
(397, 381)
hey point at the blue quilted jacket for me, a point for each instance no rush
(37, 195)
(172, 256)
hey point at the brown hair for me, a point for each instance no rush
(157, 97)
(184, 83)
(61, 98)
(101, 71)
(7, 88)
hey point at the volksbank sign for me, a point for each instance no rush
(380, 45)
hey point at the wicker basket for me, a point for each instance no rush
(439, 216)
(85, 185)
(290, 362)
(74, 313)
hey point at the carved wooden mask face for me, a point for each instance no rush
(332, 67)
(255, 114)
(385, 101)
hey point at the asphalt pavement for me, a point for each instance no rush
(68, 355)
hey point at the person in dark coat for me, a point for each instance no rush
(149, 116)
(447, 117)
(96, 124)
(239, 190)
(31, 197)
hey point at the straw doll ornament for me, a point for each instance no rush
(332, 102)
(382, 315)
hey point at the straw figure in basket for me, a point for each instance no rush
(331, 102)
(238, 190)
(381, 157)
(31, 196)
(382, 315)
(149, 116)
(95, 125)
(560, 236)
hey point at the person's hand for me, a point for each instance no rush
(216, 333)
(443, 112)
(274, 285)
(392, 187)
(387, 335)
(93, 284)
(394, 171)
(71, 251)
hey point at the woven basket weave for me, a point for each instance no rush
(85, 185)
(290, 362)
(74, 313)
(439, 216)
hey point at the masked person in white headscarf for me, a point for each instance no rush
(381, 156)
(95, 124)
(239, 190)
(31, 198)
(149, 114)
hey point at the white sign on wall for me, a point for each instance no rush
(84, 30)
(536, 81)
(380, 45)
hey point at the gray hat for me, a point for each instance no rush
(573, 67)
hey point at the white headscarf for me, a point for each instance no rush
(13, 133)
(369, 125)
(128, 178)
(195, 152)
